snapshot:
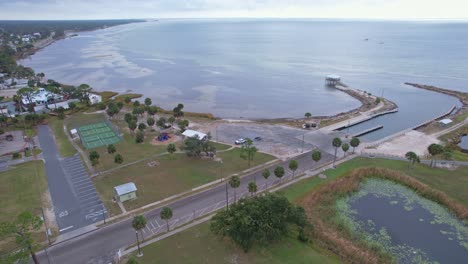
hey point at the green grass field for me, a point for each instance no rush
(452, 182)
(174, 174)
(21, 189)
(65, 148)
(199, 245)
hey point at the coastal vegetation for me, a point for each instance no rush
(321, 210)
(198, 241)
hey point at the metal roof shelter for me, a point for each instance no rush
(445, 121)
(332, 80)
(125, 188)
(125, 192)
(193, 133)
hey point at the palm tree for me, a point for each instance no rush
(345, 148)
(279, 172)
(336, 144)
(355, 143)
(293, 165)
(138, 223)
(434, 150)
(166, 215)
(412, 158)
(316, 155)
(234, 182)
(248, 151)
(266, 175)
(252, 188)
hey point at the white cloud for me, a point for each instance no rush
(101, 9)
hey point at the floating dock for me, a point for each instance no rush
(367, 131)
(367, 119)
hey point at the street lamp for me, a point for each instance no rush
(140, 254)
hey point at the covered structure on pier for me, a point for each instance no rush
(332, 80)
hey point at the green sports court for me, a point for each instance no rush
(97, 135)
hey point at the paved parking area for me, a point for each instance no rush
(75, 200)
(278, 140)
(88, 199)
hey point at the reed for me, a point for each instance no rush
(336, 236)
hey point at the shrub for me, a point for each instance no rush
(140, 136)
(118, 159)
(16, 155)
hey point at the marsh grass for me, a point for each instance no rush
(336, 236)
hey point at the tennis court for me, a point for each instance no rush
(97, 135)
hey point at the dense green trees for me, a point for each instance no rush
(263, 219)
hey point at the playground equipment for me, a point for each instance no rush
(163, 137)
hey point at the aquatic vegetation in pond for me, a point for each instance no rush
(381, 206)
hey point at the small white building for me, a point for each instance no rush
(193, 133)
(445, 122)
(74, 133)
(94, 98)
(125, 192)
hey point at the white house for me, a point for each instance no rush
(25, 39)
(94, 98)
(193, 133)
(41, 97)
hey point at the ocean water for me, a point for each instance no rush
(269, 68)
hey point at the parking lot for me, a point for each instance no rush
(278, 140)
(15, 144)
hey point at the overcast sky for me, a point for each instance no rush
(105, 9)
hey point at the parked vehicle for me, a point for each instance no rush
(258, 138)
(240, 141)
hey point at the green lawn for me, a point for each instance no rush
(199, 245)
(174, 174)
(65, 148)
(453, 182)
(21, 189)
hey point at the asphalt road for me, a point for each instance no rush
(100, 246)
(65, 177)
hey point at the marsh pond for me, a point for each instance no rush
(411, 228)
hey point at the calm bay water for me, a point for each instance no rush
(268, 69)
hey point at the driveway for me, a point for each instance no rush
(74, 198)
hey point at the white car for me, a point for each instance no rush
(240, 141)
